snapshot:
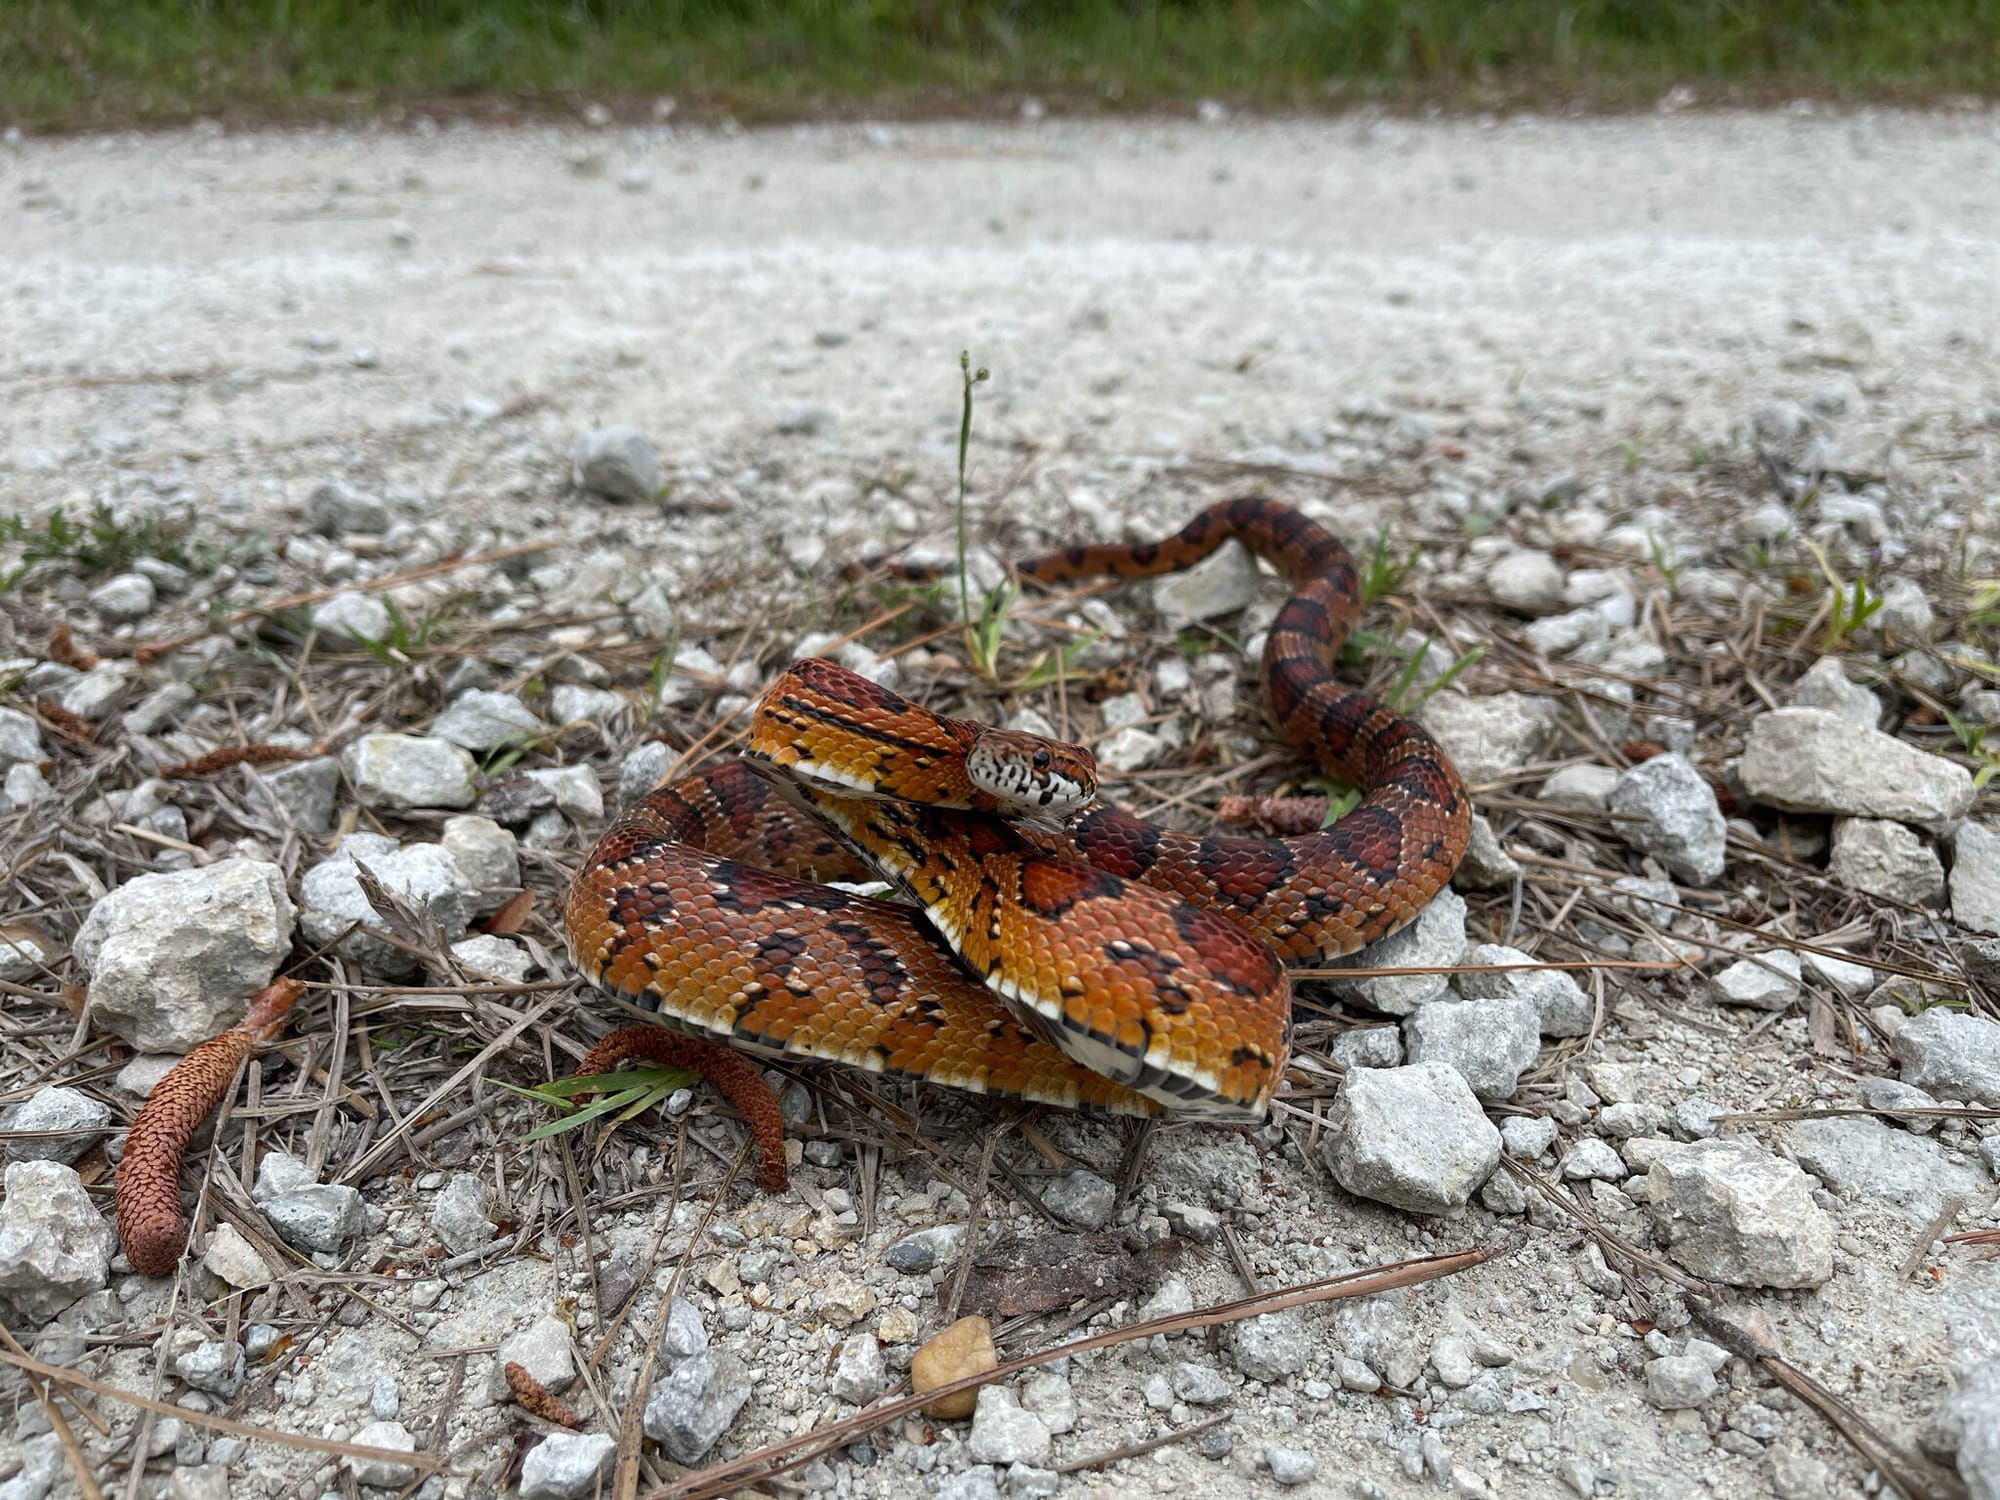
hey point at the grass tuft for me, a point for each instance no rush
(1850, 603)
(1384, 572)
(70, 64)
(100, 544)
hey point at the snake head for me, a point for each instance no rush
(1028, 774)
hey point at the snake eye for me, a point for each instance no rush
(1041, 760)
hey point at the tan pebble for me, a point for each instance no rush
(897, 1326)
(965, 1348)
(844, 1301)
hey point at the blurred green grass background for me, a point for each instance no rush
(67, 64)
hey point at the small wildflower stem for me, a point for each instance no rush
(968, 378)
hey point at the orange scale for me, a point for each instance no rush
(1049, 977)
(848, 1033)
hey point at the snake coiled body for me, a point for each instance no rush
(1101, 962)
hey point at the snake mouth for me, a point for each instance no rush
(1027, 776)
(797, 779)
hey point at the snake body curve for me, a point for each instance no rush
(1105, 963)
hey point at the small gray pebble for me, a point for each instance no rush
(1082, 1198)
(1290, 1465)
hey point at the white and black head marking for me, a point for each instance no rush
(1027, 775)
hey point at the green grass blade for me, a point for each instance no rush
(596, 1109)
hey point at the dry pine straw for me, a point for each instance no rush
(1722, 669)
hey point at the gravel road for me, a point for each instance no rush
(1625, 384)
(254, 304)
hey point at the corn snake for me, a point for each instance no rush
(1097, 961)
